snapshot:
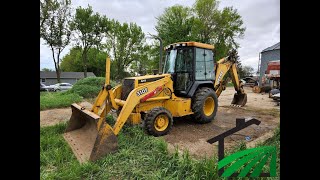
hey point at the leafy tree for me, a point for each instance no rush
(148, 60)
(217, 27)
(175, 24)
(125, 43)
(89, 28)
(46, 70)
(47, 7)
(55, 29)
(204, 22)
(72, 62)
(245, 71)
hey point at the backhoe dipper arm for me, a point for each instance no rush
(235, 79)
(228, 64)
(222, 68)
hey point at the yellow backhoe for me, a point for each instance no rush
(190, 85)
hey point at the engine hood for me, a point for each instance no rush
(148, 78)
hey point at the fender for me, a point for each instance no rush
(198, 84)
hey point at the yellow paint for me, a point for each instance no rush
(161, 122)
(148, 105)
(108, 71)
(179, 106)
(194, 44)
(208, 106)
(133, 99)
(134, 118)
(224, 66)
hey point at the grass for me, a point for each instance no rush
(85, 88)
(229, 84)
(50, 100)
(139, 157)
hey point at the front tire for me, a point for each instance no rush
(204, 105)
(158, 121)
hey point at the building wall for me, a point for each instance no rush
(265, 58)
(52, 81)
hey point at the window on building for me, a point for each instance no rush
(43, 80)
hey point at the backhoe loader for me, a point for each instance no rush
(189, 86)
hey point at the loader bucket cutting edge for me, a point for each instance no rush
(86, 141)
(239, 99)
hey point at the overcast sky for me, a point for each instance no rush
(261, 19)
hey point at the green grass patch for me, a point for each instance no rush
(50, 100)
(139, 157)
(229, 84)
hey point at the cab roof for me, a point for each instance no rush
(190, 43)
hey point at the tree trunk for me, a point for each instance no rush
(58, 75)
(84, 58)
(56, 65)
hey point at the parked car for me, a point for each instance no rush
(62, 86)
(43, 87)
(249, 81)
(273, 92)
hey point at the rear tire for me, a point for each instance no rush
(204, 105)
(158, 121)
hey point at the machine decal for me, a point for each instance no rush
(142, 91)
(219, 77)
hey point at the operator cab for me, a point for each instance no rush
(188, 62)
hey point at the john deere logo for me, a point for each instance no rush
(247, 163)
(250, 160)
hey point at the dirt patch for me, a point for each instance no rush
(255, 100)
(187, 135)
(53, 116)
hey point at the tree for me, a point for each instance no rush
(148, 60)
(206, 20)
(125, 44)
(46, 70)
(175, 24)
(245, 71)
(72, 62)
(228, 29)
(55, 29)
(217, 27)
(205, 23)
(46, 9)
(89, 28)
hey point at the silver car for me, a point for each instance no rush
(62, 86)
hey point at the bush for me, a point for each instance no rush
(89, 87)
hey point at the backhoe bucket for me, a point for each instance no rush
(239, 100)
(86, 141)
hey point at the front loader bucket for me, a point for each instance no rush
(86, 141)
(239, 100)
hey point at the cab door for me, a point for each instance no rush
(184, 70)
(204, 65)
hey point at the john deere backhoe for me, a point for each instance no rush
(190, 85)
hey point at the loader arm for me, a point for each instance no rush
(134, 98)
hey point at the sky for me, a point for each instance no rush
(261, 19)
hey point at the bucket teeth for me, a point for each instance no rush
(239, 100)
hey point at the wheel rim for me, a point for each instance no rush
(208, 106)
(161, 122)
